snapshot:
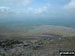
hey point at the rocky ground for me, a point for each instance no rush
(36, 47)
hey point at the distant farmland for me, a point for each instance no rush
(35, 32)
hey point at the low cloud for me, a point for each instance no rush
(4, 9)
(17, 2)
(39, 10)
(70, 6)
(67, 10)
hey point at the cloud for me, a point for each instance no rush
(70, 6)
(18, 2)
(4, 9)
(22, 2)
(69, 9)
(25, 8)
(39, 10)
(6, 12)
(27, 2)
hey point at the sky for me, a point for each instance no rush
(37, 8)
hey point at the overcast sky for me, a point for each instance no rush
(37, 8)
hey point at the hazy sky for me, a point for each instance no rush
(37, 8)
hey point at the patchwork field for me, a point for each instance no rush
(35, 32)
